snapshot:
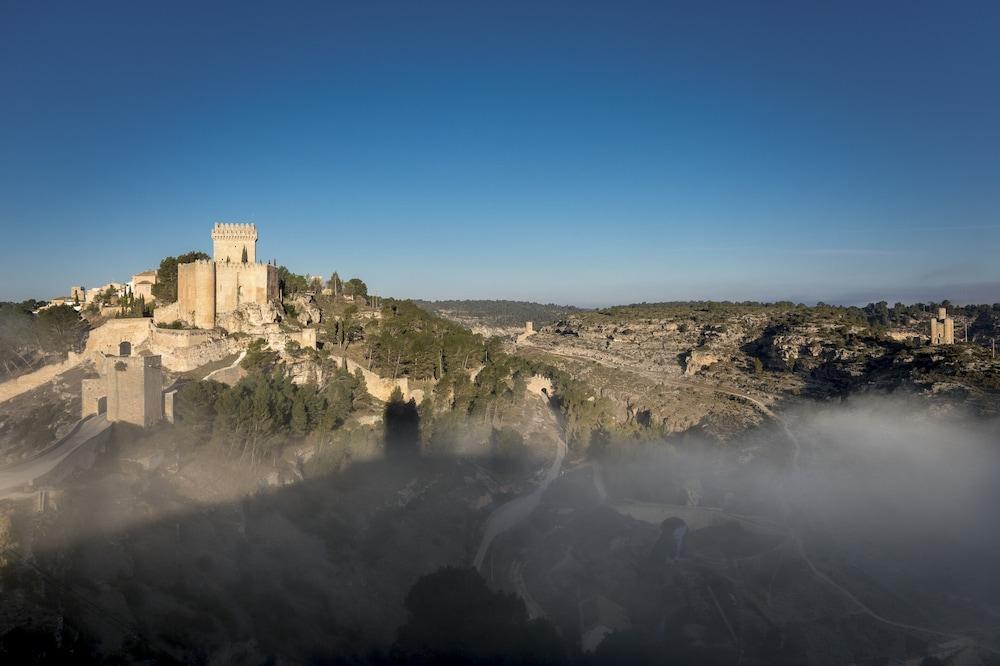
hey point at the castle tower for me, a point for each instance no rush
(129, 389)
(234, 243)
(942, 329)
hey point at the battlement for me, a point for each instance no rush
(234, 243)
(240, 266)
(234, 230)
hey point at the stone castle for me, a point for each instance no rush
(211, 288)
(942, 329)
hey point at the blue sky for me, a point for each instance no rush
(589, 153)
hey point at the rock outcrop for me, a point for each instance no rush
(696, 359)
(252, 318)
(306, 310)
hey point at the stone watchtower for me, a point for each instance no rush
(942, 329)
(234, 243)
(129, 389)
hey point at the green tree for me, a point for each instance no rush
(194, 406)
(165, 288)
(357, 288)
(335, 284)
(455, 618)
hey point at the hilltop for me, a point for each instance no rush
(497, 314)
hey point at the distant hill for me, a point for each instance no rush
(499, 313)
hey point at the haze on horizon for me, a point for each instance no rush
(584, 153)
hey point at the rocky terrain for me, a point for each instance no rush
(777, 354)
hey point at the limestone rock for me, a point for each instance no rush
(306, 310)
(697, 359)
(250, 317)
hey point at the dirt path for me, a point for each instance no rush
(510, 514)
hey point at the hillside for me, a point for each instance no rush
(498, 314)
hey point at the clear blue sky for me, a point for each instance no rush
(570, 152)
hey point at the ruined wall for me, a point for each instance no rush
(196, 293)
(308, 338)
(169, 339)
(379, 387)
(167, 314)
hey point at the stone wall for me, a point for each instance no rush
(184, 350)
(238, 283)
(169, 338)
(105, 338)
(196, 293)
(93, 397)
(134, 387)
(32, 380)
(166, 314)
(380, 387)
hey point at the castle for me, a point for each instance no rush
(942, 329)
(208, 289)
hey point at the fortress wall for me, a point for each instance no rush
(196, 293)
(134, 384)
(92, 393)
(380, 387)
(183, 359)
(238, 283)
(168, 338)
(167, 314)
(105, 338)
(32, 380)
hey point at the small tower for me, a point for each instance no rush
(234, 243)
(942, 329)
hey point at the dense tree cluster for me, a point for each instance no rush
(25, 337)
(165, 289)
(257, 416)
(410, 342)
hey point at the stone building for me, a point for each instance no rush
(142, 285)
(129, 389)
(942, 328)
(209, 289)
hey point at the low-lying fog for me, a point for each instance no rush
(885, 490)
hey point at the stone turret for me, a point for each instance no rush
(234, 243)
(942, 329)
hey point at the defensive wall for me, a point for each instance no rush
(106, 338)
(196, 293)
(381, 387)
(32, 380)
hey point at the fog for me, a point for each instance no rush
(889, 494)
(894, 501)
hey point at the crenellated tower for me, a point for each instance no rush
(234, 243)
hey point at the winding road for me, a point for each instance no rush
(15, 477)
(510, 514)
